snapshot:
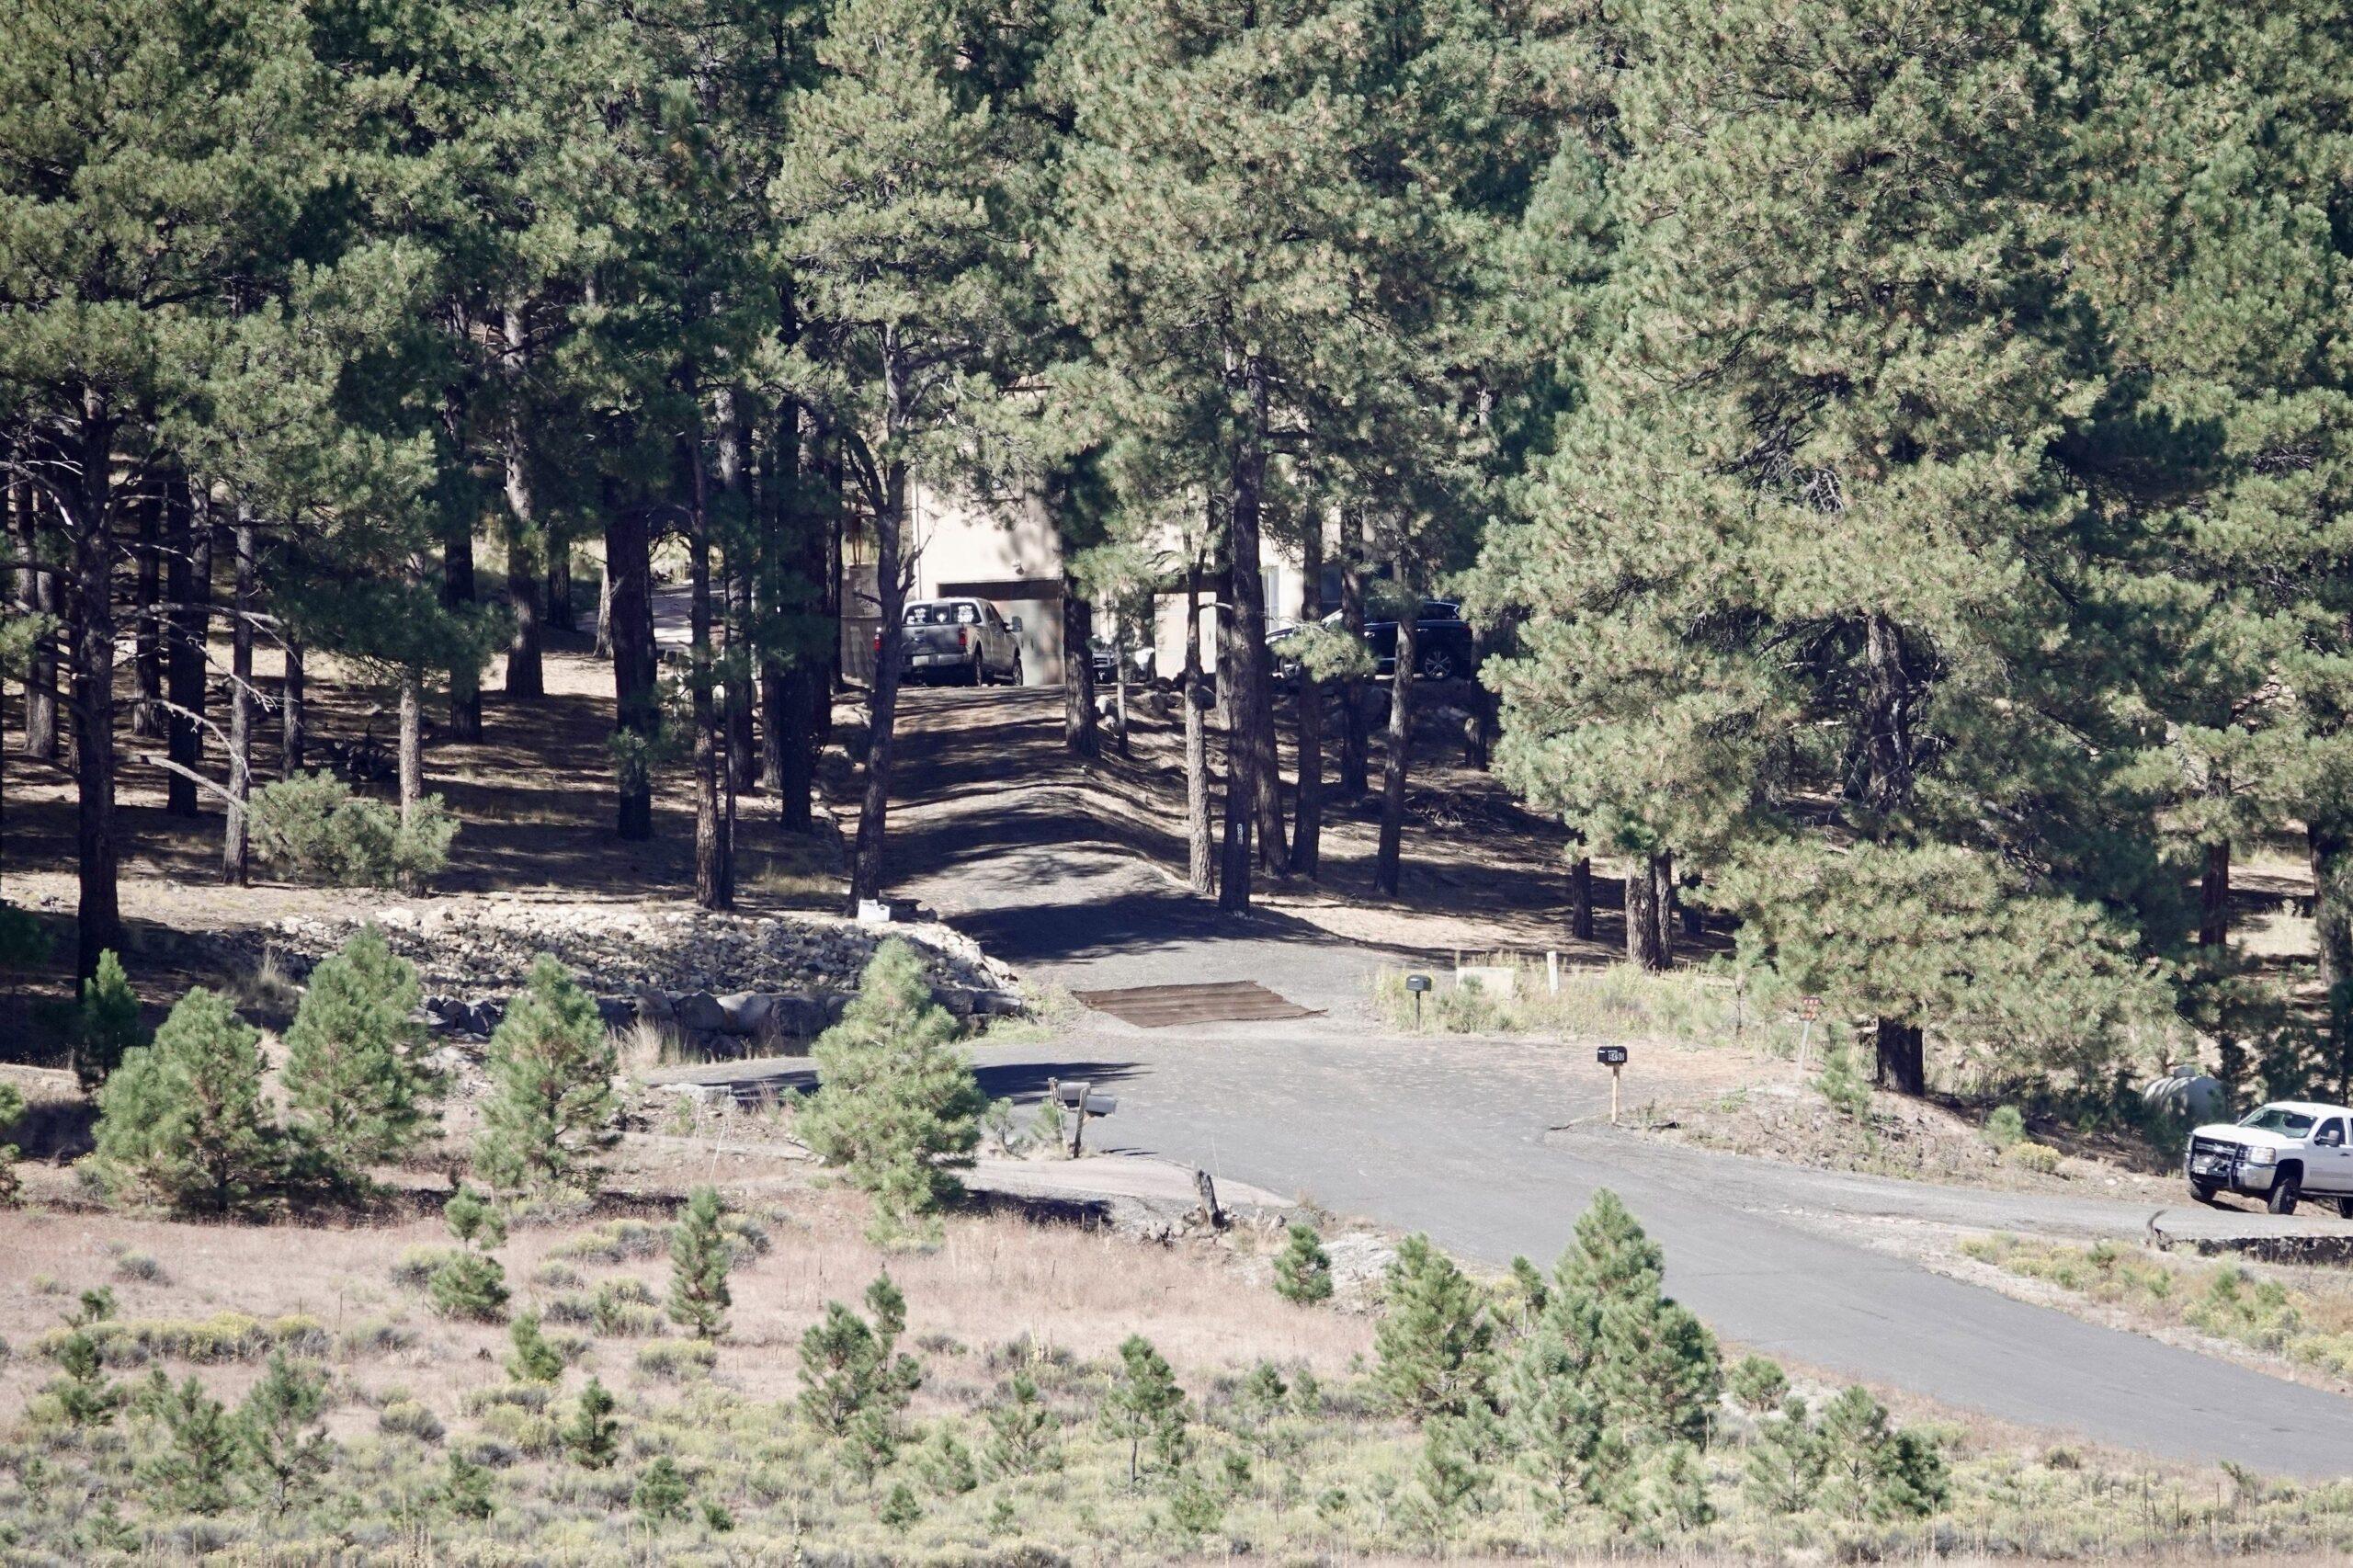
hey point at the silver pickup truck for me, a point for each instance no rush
(964, 642)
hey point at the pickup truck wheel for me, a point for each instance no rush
(2202, 1190)
(2285, 1191)
(2345, 1207)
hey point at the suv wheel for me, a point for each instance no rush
(1436, 664)
(2345, 1207)
(2286, 1190)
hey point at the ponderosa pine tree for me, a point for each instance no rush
(356, 1087)
(1435, 1341)
(550, 1105)
(1819, 536)
(896, 1107)
(700, 1255)
(891, 192)
(2209, 146)
(128, 254)
(184, 1119)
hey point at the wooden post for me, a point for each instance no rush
(1552, 970)
(1078, 1124)
(1614, 1070)
(1206, 1190)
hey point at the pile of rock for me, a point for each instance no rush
(716, 982)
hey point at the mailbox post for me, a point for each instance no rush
(1418, 983)
(1079, 1099)
(1614, 1058)
(1809, 1009)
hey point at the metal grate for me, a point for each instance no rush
(1159, 1006)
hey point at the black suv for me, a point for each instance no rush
(1444, 648)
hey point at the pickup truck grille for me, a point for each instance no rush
(2217, 1148)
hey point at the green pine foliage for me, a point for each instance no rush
(700, 1255)
(356, 1086)
(1303, 1269)
(535, 1359)
(197, 1457)
(108, 1026)
(896, 1108)
(283, 1445)
(184, 1120)
(12, 1105)
(466, 1488)
(551, 1103)
(1021, 1429)
(312, 828)
(1144, 1406)
(946, 1464)
(593, 1435)
(1782, 1471)
(661, 1494)
(1872, 1469)
(1757, 1385)
(1435, 1340)
(854, 1383)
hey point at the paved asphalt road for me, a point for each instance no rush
(1457, 1138)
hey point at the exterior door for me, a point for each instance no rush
(2329, 1167)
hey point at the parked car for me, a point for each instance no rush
(2286, 1150)
(1444, 648)
(960, 640)
(1103, 658)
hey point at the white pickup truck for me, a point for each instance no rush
(2286, 1150)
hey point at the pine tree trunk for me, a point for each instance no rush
(147, 631)
(1355, 739)
(294, 699)
(411, 749)
(1234, 828)
(235, 847)
(1903, 1056)
(1199, 874)
(1307, 811)
(1079, 736)
(1399, 748)
(2214, 897)
(98, 924)
(1242, 673)
(457, 595)
(2330, 843)
(743, 737)
(561, 615)
(882, 703)
(604, 644)
(711, 847)
(190, 569)
(1642, 916)
(525, 675)
(1663, 903)
(636, 716)
(1581, 897)
(1119, 652)
(798, 687)
(37, 592)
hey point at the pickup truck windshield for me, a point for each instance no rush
(943, 615)
(2274, 1119)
